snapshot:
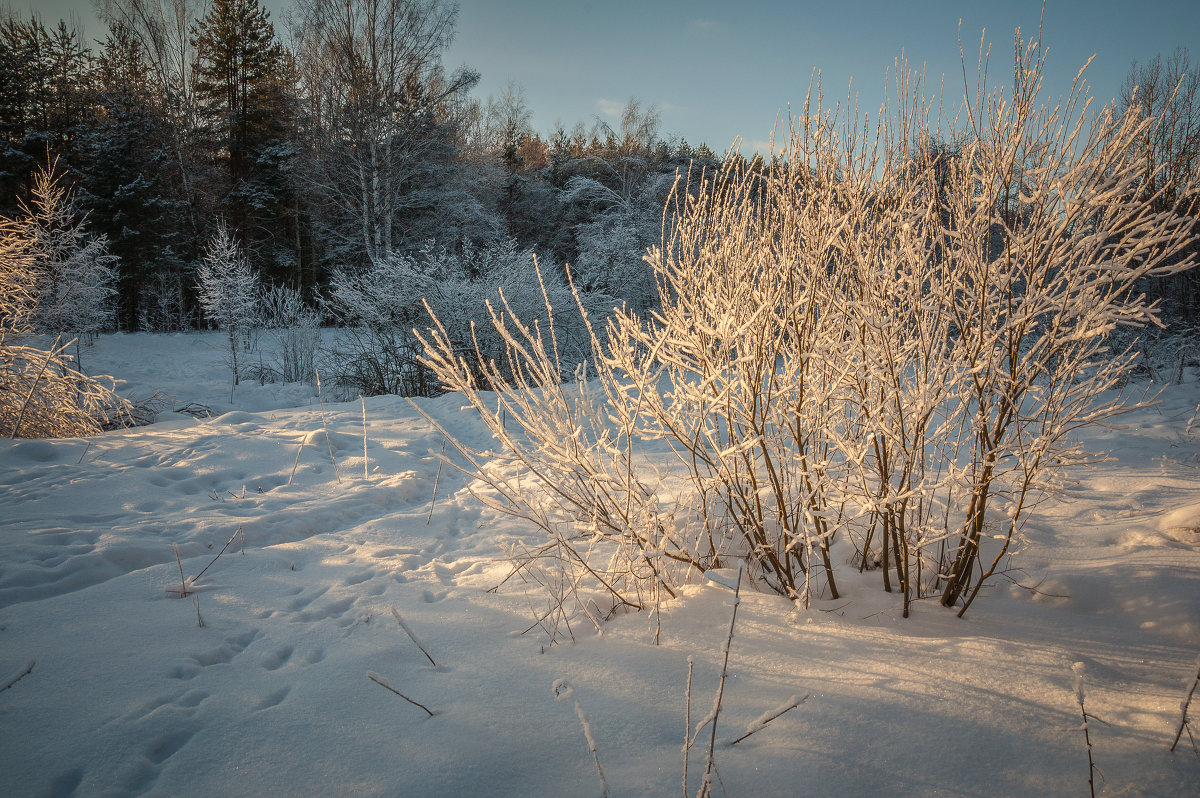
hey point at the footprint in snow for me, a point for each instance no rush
(277, 658)
(273, 700)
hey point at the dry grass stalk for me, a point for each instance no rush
(380, 681)
(1184, 705)
(182, 591)
(412, 636)
(19, 675)
(222, 551)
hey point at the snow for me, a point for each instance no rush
(129, 695)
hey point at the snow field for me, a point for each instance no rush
(130, 696)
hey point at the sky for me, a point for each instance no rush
(721, 71)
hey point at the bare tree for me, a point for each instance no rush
(371, 74)
(75, 273)
(163, 30)
(1166, 91)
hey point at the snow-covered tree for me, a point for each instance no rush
(228, 289)
(384, 142)
(383, 304)
(620, 224)
(42, 394)
(75, 273)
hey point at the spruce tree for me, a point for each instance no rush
(244, 100)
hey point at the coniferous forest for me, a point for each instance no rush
(339, 144)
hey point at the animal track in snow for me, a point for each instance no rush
(300, 602)
(274, 699)
(277, 658)
(334, 609)
(220, 655)
(167, 745)
(359, 578)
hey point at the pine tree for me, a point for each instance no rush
(238, 62)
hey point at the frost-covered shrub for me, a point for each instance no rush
(228, 289)
(620, 225)
(76, 275)
(161, 305)
(293, 330)
(42, 393)
(872, 350)
(381, 306)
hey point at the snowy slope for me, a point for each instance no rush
(128, 695)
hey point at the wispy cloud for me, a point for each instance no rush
(706, 25)
(609, 107)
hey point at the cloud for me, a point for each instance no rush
(609, 107)
(706, 25)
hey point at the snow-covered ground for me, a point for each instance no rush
(129, 695)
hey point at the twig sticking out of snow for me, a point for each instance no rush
(182, 591)
(325, 426)
(562, 690)
(19, 675)
(436, 479)
(687, 725)
(771, 715)
(375, 677)
(199, 617)
(58, 347)
(1184, 723)
(299, 449)
(1079, 670)
(366, 462)
(219, 553)
(715, 712)
(408, 631)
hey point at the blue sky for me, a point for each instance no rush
(720, 70)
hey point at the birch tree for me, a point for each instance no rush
(371, 73)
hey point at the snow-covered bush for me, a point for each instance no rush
(228, 289)
(612, 242)
(42, 394)
(874, 342)
(382, 305)
(294, 332)
(75, 275)
(161, 304)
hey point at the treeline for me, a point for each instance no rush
(347, 143)
(334, 148)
